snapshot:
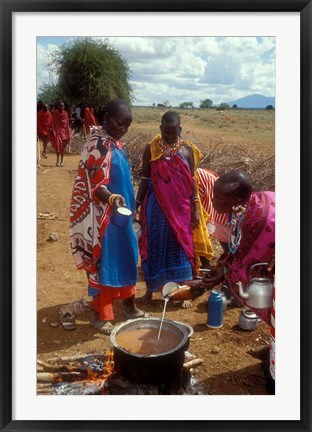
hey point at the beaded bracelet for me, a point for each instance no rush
(145, 178)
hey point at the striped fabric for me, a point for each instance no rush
(217, 222)
(272, 338)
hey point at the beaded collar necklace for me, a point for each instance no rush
(169, 150)
(235, 235)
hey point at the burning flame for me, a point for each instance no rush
(86, 373)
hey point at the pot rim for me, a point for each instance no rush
(184, 340)
(187, 326)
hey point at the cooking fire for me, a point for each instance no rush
(96, 375)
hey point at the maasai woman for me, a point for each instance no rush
(107, 252)
(172, 217)
(89, 119)
(60, 132)
(44, 121)
(251, 239)
(251, 234)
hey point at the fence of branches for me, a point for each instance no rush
(219, 157)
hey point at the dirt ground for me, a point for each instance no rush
(232, 358)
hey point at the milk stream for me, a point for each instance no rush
(163, 316)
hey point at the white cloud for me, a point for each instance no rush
(179, 69)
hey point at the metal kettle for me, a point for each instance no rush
(258, 293)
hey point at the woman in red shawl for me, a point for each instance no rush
(60, 132)
(89, 119)
(44, 121)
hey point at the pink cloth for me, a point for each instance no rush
(173, 185)
(257, 244)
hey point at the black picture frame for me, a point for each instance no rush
(8, 7)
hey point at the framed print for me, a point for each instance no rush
(24, 25)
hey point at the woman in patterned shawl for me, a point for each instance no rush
(174, 232)
(59, 132)
(107, 252)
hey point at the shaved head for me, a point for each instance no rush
(236, 183)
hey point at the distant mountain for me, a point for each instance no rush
(253, 101)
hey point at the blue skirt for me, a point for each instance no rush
(166, 261)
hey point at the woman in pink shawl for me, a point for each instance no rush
(173, 221)
(251, 233)
(251, 240)
(59, 132)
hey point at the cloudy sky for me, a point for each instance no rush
(186, 69)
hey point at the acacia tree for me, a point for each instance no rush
(206, 103)
(185, 105)
(91, 71)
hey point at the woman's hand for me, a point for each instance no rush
(271, 265)
(210, 280)
(119, 201)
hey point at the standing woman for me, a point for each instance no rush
(60, 132)
(107, 252)
(173, 220)
(44, 120)
(89, 119)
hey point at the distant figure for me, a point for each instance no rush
(89, 119)
(44, 122)
(77, 119)
(60, 132)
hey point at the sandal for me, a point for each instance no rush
(68, 323)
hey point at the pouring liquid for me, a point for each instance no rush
(163, 316)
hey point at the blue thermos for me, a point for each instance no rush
(215, 311)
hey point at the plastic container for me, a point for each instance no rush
(121, 216)
(215, 309)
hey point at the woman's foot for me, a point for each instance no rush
(57, 164)
(147, 298)
(132, 312)
(104, 327)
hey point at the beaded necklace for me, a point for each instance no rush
(169, 150)
(234, 236)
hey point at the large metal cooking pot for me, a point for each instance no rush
(154, 367)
